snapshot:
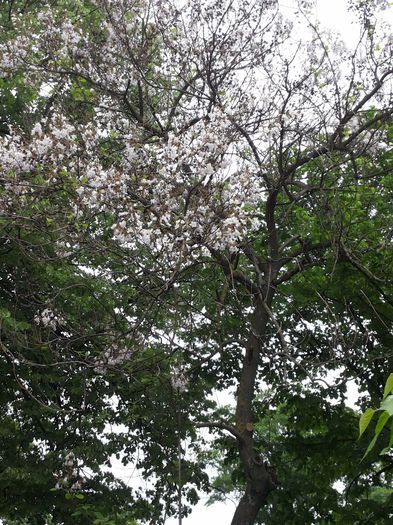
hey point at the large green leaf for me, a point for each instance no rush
(365, 419)
(388, 386)
(382, 420)
(370, 446)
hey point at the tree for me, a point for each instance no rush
(230, 188)
(322, 478)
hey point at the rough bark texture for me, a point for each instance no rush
(253, 499)
(259, 479)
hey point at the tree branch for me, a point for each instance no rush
(222, 426)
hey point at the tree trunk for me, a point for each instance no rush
(254, 497)
(260, 480)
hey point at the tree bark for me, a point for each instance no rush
(254, 498)
(260, 481)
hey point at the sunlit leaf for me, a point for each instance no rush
(365, 419)
(388, 386)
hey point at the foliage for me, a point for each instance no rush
(312, 444)
(386, 409)
(192, 201)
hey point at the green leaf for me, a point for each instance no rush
(4, 313)
(387, 405)
(378, 429)
(371, 446)
(365, 419)
(381, 422)
(388, 387)
(391, 435)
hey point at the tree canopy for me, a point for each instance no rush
(193, 199)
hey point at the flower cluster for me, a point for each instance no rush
(179, 380)
(69, 477)
(188, 129)
(117, 354)
(179, 194)
(48, 319)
